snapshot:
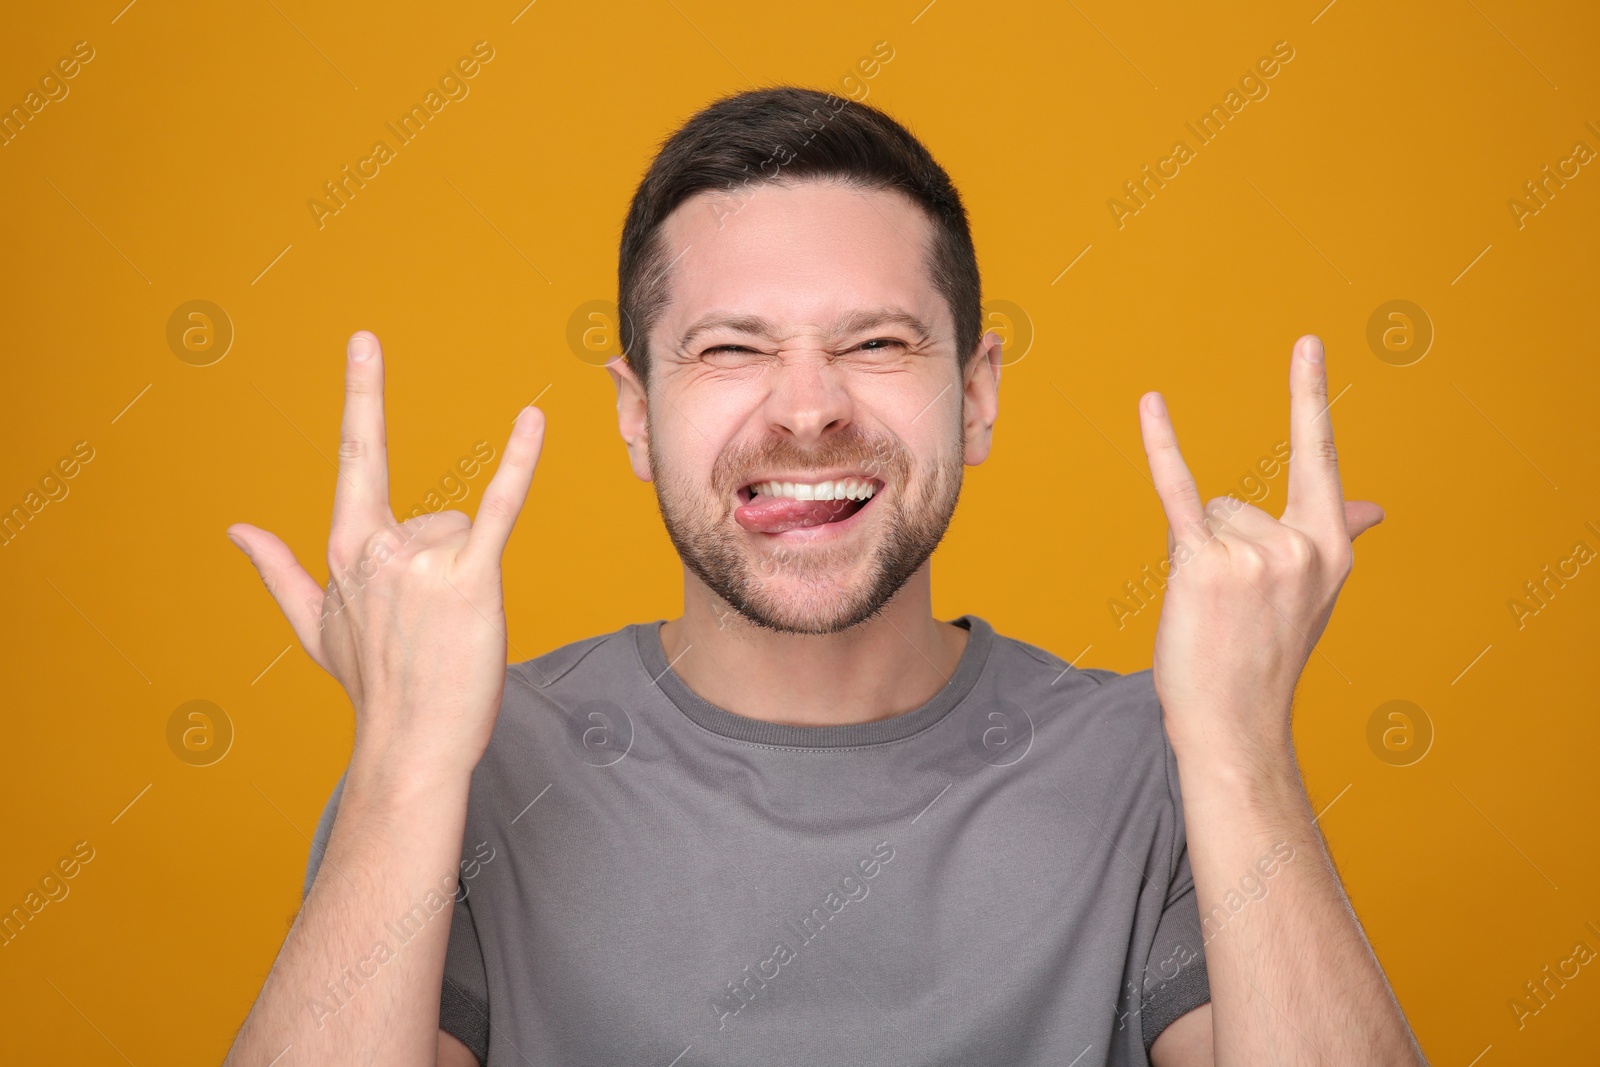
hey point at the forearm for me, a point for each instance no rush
(333, 993)
(1293, 979)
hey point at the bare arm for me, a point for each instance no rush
(412, 624)
(1293, 979)
(345, 988)
(452, 1053)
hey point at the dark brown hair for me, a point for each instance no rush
(782, 135)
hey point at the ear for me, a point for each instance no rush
(981, 398)
(633, 416)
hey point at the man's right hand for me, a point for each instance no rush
(412, 620)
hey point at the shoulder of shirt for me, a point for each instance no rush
(1062, 672)
(1125, 702)
(544, 672)
(543, 693)
(1121, 712)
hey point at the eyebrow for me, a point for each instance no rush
(849, 322)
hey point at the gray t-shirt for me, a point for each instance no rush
(998, 876)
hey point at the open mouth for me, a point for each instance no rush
(775, 506)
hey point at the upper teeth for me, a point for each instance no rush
(843, 489)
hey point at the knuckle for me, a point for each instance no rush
(1325, 450)
(1223, 508)
(359, 379)
(1251, 561)
(341, 550)
(379, 543)
(496, 507)
(1184, 493)
(1299, 547)
(352, 449)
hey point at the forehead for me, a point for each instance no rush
(800, 255)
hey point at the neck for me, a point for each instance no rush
(890, 664)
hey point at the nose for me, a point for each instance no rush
(808, 397)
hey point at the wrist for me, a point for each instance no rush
(401, 776)
(1255, 773)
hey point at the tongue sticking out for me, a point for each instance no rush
(775, 514)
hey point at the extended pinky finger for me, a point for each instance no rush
(1180, 499)
(508, 489)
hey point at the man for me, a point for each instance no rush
(806, 821)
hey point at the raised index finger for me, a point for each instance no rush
(1315, 498)
(361, 498)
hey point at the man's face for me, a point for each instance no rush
(805, 421)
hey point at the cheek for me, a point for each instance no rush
(696, 421)
(682, 453)
(936, 440)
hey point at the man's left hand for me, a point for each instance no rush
(1249, 595)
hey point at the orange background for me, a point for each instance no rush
(1379, 167)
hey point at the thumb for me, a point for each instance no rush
(1361, 516)
(299, 595)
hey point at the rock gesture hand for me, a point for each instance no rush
(1249, 595)
(412, 620)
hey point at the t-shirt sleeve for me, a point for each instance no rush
(1175, 981)
(464, 998)
(319, 838)
(464, 995)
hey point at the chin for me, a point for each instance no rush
(809, 621)
(799, 607)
